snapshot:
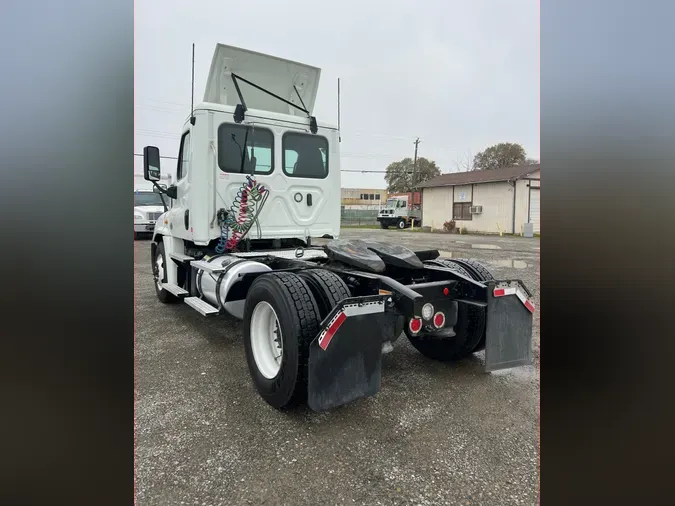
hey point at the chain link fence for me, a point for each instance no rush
(351, 217)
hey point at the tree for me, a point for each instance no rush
(399, 176)
(504, 154)
(531, 161)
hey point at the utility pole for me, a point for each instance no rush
(414, 177)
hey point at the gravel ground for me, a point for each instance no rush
(435, 433)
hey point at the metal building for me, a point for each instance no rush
(484, 201)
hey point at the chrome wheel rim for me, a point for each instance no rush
(266, 340)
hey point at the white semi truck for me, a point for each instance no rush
(149, 204)
(257, 179)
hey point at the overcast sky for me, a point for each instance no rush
(460, 75)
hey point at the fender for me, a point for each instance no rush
(161, 228)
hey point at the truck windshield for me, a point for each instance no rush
(147, 199)
(391, 203)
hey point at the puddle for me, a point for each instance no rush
(513, 264)
(509, 262)
(485, 246)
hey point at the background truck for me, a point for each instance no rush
(148, 204)
(257, 179)
(400, 210)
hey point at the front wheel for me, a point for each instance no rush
(401, 224)
(384, 225)
(281, 318)
(160, 276)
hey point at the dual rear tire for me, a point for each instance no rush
(282, 315)
(470, 328)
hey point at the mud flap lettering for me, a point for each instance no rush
(345, 359)
(508, 333)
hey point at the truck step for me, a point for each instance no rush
(174, 289)
(207, 267)
(181, 257)
(203, 308)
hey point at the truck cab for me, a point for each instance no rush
(240, 133)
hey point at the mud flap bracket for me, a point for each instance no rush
(345, 359)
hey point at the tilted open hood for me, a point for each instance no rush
(274, 74)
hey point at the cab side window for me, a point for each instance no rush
(184, 156)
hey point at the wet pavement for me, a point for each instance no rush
(435, 433)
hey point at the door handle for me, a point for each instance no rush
(309, 199)
(186, 219)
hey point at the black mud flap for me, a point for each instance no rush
(345, 359)
(508, 332)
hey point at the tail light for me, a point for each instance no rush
(439, 320)
(415, 325)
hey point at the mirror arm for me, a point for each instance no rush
(162, 191)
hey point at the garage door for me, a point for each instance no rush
(534, 209)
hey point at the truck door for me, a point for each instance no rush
(180, 212)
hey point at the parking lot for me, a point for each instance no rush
(435, 434)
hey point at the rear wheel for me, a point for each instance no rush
(482, 274)
(401, 224)
(469, 330)
(327, 287)
(160, 277)
(281, 318)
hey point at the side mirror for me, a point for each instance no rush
(151, 171)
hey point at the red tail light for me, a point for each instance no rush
(439, 320)
(415, 325)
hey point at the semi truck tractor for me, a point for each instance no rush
(257, 189)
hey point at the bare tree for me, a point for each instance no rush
(464, 164)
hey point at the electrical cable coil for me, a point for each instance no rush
(236, 222)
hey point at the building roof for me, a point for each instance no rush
(481, 176)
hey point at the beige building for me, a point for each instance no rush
(484, 200)
(355, 198)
